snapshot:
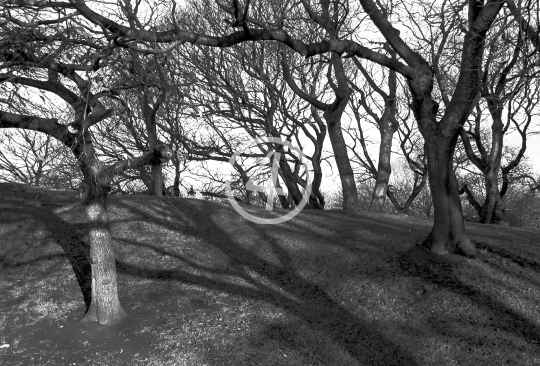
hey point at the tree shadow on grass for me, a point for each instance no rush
(68, 236)
(288, 290)
(511, 255)
(441, 271)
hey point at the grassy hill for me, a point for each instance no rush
(203, 286)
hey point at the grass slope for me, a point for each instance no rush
(204, 286)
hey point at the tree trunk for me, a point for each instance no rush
(333, 115)
(105, 305)
(498, 216)
(316, 199)
(146, 179)
(384, 170)
(290, 201)
(283, 199)
(492, 191)
(490, 165)
(176, 184)
(247, 198)
(491, 211)
(448, 233)
(39, 173)
(348, 184)
(289, 179)
(157, 180)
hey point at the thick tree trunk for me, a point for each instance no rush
(491, 212)
(384, 170)
(346, 175)
(290, 180)
(316, 199)
(493, 202)
(333, 115)
(105, 306)
(448, 233)
(492, 192)
(498, 216)
(157, 180)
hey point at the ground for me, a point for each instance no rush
(203, 286)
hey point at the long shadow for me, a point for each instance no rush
(501, 258)
(439, 271)
(361, 339)
(510, 255)
(380, 220)
(68, 236)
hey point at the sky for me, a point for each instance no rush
(331, 182)
(331, 179)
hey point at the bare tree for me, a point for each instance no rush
(386, 122)
(510, 91)
(440, 130)
(413, 151)
(29, 157)
(50, 61)
(240, 96)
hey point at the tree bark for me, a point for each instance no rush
(384, 169)
(105, 305)
(490, 212)
(176, 184)
(157, 180)
(289, 179)
(283, 199)
(498, 217)
(448, 232)
(346, 175)
(316, 199)
(332, 114)
(491, 177)
(492, 191)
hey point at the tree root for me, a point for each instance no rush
(467, 247)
